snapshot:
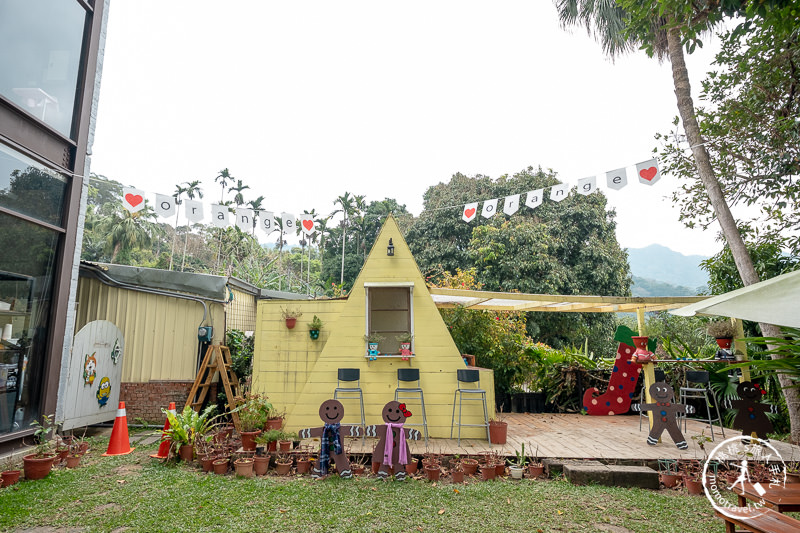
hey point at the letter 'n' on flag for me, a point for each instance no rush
(511, 204)
(470, 212)
(559, 192)
(244, 219)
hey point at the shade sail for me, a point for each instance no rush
(774, 301)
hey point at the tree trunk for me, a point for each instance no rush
(115, 251)
(174, 237)
(744, 263)
(185, 243)
(344, 239)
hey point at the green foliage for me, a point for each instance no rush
(241, 347)
(784, 353)
(316, 323)
(43, 435)
(187, 426)
(254, 410)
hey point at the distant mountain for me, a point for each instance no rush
(649, 287)
(656, 263)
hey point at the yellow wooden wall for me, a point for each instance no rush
(299, 374)
(240, 313)
(160, 332)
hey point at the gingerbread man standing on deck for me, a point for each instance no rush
(664, 411)
(330, 434)
(752, 415)
(392, 449)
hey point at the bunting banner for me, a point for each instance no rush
(219, 216)
(165, 205)
(648, 172)
(289, 223)
(266, 222)
(132, 199)
(244, 219)
(511, 204)
(617, 179)
(489, 208)
(470, 211)
(533, 199)
(559, 192)
(587, 186)
(194, 211)
(307, 224)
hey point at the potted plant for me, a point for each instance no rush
(498, 430)
(10, 474)
(470, 466)
(372, 340)
(457, 471)
(313, 327)
(261, 463)
(691, 471)
(275, 419)
(269, 439)
(283, 464)
(535, 466)
(185, 427)
(253, 410)
(303, 462)
(722, 331)
(668, 473)
(488, 471)
(405, 343)
(244, 466)
(357, 465)
(290, 316)
(433, 471)
(38, 464)
(517, 466)
(221, 465)
(285, 441)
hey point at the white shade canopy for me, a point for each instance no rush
(774, 301)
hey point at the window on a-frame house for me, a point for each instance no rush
(389, 313)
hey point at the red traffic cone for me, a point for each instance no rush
(163, 448)
(120, 443)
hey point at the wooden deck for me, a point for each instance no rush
(572, 436)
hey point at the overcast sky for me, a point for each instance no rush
(306, 100)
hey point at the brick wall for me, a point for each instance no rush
(145, 400)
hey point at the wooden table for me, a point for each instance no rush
(781, 498)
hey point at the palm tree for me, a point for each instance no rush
(238, 198)
(608, 23)
(179, 192)
(223, 177)
(128, 230)
(192, 189)
(347, 202)
(256, 206)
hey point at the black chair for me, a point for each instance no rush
(660, 376)
(405, 392)
(701, 377)
(471, 377)
(348, 376)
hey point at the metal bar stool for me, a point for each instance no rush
(688, 393)
(469, 376)
(660, 376)
(407, 392)
(348, 376)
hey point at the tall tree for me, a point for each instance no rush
(223, 178)
(238, 198)
(127, 230)
(192, 190)
(180, 190)
(347, 204)
(662, 27)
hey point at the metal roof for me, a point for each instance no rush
(512, 301)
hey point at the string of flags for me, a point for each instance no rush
(647, 172)
(245, 219)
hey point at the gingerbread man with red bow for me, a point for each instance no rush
(752, 415)
(392, 449)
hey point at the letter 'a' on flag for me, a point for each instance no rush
(267, 222)
(470, 211)
(511, 204)
(587, 186)
(534, 198)
(489, 208)
(165, 205)
(307, 224)
(132, 199)
(617, 179)
(244, 219)
(219, 216)
(648, 172)
(559, 192)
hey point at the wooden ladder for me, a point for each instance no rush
(217, 359)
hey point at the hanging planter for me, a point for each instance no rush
(290, 316)
(724, 342)
(313, 327)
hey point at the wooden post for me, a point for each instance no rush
(648, 369)
(740, 347)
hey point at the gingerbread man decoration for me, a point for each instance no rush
(664, 411)
(752, 415)
(392, 449)
(330, 434)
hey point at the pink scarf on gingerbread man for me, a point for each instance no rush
(389, 448)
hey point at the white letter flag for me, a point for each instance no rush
(489, 208)
(165, 205)
(559, 192)
(511, 204)
(132, 199)
(194, 210)
(244, 219)
(267, 222)
(219, 216)
(470, 211)
(648, 172)
(534, 198)
(587, 186)
(307, 224)
(617, 179)
(289, 222)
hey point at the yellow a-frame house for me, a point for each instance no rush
(389, 296)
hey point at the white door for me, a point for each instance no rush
(95, 374)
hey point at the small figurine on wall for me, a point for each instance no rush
(752, 415)
(89, 369)
(373, 340)
(330, 435)
(664, 411)
(392, 449)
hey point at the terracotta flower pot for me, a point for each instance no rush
(669, 480)
(304, 467)
(470, 466)
(500, 469)
(10, 477)
(207, 462)
(244, 467)
(275, 423)
(488, 472)
(37, 467)
(284, 445)
(260, 464)
(535, 471)
(497, 432)
(62, 454)
(693, 486)
(458, 476)
(83, 448)
(73, 461)
(186, 453)
(724, 342)
(411, 468)
(433, 472)
(220, 466)
(291, 322)
(375, 467)
(283, 469)
(249, 440)
(792, 477)
(223, 434)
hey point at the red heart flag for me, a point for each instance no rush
(308, 224)
(648, 173)
(133, 199)
(469, 212)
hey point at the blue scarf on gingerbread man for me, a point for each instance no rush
(331, 441)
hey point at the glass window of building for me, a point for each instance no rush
(40, 57)
(30, 188)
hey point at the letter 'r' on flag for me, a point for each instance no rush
(470, 212)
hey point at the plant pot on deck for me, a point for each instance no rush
(498, 431)
(249, 440)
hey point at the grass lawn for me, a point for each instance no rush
(136, 493)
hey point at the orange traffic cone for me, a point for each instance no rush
(163, 449)
(120, 443)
